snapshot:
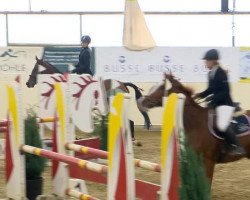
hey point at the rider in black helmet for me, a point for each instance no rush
(218, 97)
(83, 66)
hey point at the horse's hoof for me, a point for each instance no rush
(137, 143)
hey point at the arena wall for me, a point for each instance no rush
(21, 60)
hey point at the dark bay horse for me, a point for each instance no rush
(195, 119)
(120, 86)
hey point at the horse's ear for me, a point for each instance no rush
(37, 59)
(169, 76)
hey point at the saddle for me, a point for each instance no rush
(240, 124)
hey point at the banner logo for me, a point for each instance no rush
(166, 59)
(122, 59)
(8, 54)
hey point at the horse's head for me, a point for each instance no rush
(177, 86)
(48, 69)
(32, 81)
(157, 92)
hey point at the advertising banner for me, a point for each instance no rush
(21, 60)
(18, 60)
(148, 66)
(245, 64)
(62, 57)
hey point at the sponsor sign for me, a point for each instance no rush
(62, 57)
(18, 60)
(245, 64)
(148, 66)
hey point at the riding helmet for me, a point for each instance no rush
(211, 54)
(86, 39)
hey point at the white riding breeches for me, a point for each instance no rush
(224, 116)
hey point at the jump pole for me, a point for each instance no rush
(15, 162)
(140, 185)
(121, 178)
(61, 132)
(104, 154)
(168, 178)
(3, 129)
(79, 195)
(84, 164)
(15, 120)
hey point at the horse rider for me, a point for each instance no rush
(83, 66)
(218, 97)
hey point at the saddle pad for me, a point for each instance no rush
(240, 124)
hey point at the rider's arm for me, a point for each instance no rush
(206, 92)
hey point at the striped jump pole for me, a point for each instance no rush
(3, 129)
(79, 195)
(124, 190)
(15, 167)
(84, 164)
(120, 187)
(3, 123)
(170, 150)
(86, 150)
(45, 119)
(41, 121)
(104, 154)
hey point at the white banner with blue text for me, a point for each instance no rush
(148, 66)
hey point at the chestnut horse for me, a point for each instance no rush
(108, 83)
(195, 120)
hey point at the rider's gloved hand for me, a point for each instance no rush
(209, 98)
(196, 96)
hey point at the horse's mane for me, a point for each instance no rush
(178, 87)
(46, 64)
(156, 87)
(49, 68)
(188, 91)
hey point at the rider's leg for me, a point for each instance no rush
(224, 116)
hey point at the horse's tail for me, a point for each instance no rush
(138, 95)
(138, 90)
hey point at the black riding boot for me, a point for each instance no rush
(232, 140)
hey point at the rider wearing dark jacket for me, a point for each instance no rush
(83, 66)
(218, 97)
(218, 87)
